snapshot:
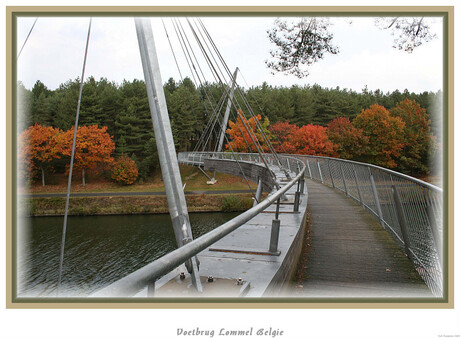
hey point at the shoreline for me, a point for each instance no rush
(130, 205)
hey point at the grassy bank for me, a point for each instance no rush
(192, 178)
(131, 205)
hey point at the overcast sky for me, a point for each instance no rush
(54, 53)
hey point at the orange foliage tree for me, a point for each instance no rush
(38, 146)
(94, 147)
(349, 140)
(241, 139)
(384, 133)
(418, 140)
(281, 132)
(124, 170)
(310, 140)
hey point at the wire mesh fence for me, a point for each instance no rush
(409, 209)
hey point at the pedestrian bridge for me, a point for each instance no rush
(372, 232)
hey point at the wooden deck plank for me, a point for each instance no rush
(351, 254)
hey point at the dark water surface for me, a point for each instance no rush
(99, 249)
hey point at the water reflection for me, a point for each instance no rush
(99, 249)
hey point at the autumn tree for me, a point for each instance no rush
(385, 134)
(310, 140)
(418, 139)
(25, 161)
(39, 146)
(124, 170)
(244, 132)
(349, 140)
(281, 132)
(94, 147)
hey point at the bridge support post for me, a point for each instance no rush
(151, 289)
(227, 112)
(258, 192)
(402, 221)
(376, 198)
(165, 143)
(275, 232)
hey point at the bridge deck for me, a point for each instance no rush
(244, 254)
(351, 255)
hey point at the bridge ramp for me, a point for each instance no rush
(351, 255)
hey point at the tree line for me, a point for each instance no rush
(123, 110)
(396, 138)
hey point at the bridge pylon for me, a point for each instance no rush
(165, 144)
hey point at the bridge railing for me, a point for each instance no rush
(409, 209)
(146, 276)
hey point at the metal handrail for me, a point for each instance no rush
(138, 280)
(409, 209)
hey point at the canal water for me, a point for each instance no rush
(99, 249)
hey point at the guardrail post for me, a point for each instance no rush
(330, 173)
(319, 170)
(297, 198)
(296, 201)
(357, 186)
(302, 184)
(275, 233)
(402, 221)
(376, 197)
(344, 182)
(309, 170)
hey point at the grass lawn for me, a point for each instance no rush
(191, 177)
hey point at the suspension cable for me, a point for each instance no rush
(188, 52)
(27, 38)
(259, 126)
(72, 157)
(172, 50)
(188, 59)
(254, 140)
(261, 111)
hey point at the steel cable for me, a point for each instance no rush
(72, 157)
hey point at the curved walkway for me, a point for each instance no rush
(351, 255)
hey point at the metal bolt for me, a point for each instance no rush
(239, 281)
(210, 279)
(182, 275)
